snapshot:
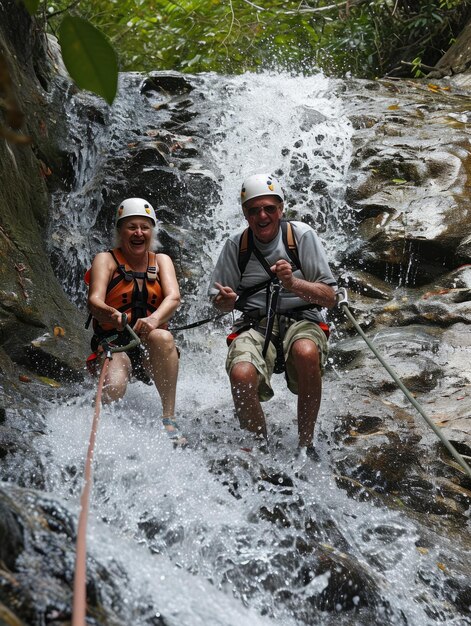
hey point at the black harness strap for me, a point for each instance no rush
(273, 292)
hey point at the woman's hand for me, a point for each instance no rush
(146, 325)
(226, 298)
(116, 319)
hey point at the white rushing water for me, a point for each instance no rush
(213, 535)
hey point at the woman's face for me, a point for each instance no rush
(135, 234)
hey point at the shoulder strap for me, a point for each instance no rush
(245, 249)
(152, 267)
(120, 261)
(290, 243)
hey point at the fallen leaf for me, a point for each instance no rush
(48, 381)
(399, 181)
(24, 379)
(439, 292)
(44, 169)
(59, 331)
(393, 107)
(422, 550)
(391, 307)
(441, 566)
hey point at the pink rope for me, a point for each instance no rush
(79, 606)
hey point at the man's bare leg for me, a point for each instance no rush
(244, 384)
(306, 361)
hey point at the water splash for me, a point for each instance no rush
(292, 127)
(214, 534)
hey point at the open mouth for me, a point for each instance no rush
(263, 224)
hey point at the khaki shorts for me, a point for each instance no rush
(248, 347)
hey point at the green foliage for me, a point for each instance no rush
(364, 37)
(31, 6)
(416, 68)
(88, 57)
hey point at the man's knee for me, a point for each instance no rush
(305, 353)
(243, 374)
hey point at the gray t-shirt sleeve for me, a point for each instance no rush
(314, 259)
(226, 271)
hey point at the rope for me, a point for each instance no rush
(198, 323)
(343, 303)
(79, 605)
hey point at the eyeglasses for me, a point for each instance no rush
(270, 209)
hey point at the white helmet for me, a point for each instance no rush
(135, 206)
(260, 185)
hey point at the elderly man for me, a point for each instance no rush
(276, 273)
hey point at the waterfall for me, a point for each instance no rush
(214, 535)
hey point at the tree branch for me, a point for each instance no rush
(254, 5)
(330, 7)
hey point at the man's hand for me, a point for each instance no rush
(226, 298)
(284, 273)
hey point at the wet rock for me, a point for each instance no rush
(402, 349)
(11, 533)
(463, 251)
(407, 189)
(334, 582)
(365, 284)
(31, 296)
(38, 590)
(167, 82)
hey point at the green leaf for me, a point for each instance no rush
(31, 6)
(399, 181)
(89, 57)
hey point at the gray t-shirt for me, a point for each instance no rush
(313, 260)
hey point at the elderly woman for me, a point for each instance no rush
(134, 280)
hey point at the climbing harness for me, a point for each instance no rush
(80, 578)
(272, 286)
(342, 302)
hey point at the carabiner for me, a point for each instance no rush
(342, 296)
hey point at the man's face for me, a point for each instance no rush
(263, 215)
